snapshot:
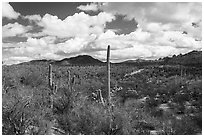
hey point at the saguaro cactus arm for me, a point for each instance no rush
(101, 97)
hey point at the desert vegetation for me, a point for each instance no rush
(150, 99)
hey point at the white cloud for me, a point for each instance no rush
(16, 60)
(160, 29)
(153, 27)
(145, 44)
(178, 40)
(31, 48)
(160, 12)
(121, 41)
(108, 34)
(159, 33)
(44, 47)
(157, 16)
(15, 29)
(139, 35)
(194, 32)
(8, 11)
(78, 25)
(72, 45)
(35, 42)
(36, 18)
(88, 7)
(138, 44)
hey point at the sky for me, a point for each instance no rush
(134, 30)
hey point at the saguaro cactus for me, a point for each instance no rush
(50, 76)
(108, 84)
(52, 85)
(69, 76)
(69, 80)
(108, 74)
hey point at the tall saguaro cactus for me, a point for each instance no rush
(50, 76)
(108, 74)
(109, 95)
(69, 79)
(52, 85)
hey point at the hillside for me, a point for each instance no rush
(193, 58)
(79, 60)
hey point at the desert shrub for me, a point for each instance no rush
(63, 101)
(185, 126)
(84, 118)
(33, 79)
(14, 119)
(141, 122)
(152, 102)
(8, 83)
(24, 110)
(195, 91)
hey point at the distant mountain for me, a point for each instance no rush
(38, 62)
(134, 61)
(79, 60)
(139, 62)
(193, 58)
(41, 61)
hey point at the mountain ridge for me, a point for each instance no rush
(192, 58)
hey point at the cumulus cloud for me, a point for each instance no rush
(30, 50)
(106, 35)
(160, 33)
(164, 12)
(145, 44)
(178, 40)
(159, 16)
(138, 44)
(45, 47)
(8, 11)
(16, 60)
(120, 41)
(72, 45)
(78, 25)
(88, 7)
(15, 29)
(160, 29)
(35, 18)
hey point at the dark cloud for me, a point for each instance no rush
(15, 39)
(62, 40)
